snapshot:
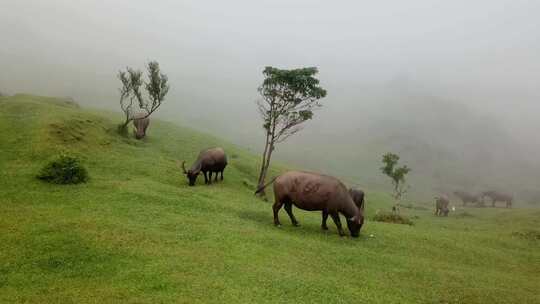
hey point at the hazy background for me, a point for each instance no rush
(452, 86)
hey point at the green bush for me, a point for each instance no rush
(64, 170)
(389, 217)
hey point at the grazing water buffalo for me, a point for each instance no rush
(141, 122)
(498, 197)
(441, 205)
(467, 197)
(210, 160)
(313, 192)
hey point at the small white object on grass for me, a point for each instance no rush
(371, 235)
(453, 208)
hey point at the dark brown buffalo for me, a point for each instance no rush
(441, 205)
(210, 161)
(467, 197)
(141, 122)
(498, 197)
(312, 192)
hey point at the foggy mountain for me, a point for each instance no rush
(450, 145)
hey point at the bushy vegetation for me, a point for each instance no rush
(391, 217)
(65, 169)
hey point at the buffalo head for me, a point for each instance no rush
(139, 133)
(191, 175)
(355, 223)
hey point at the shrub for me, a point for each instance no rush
(389, 217)
(64, 170)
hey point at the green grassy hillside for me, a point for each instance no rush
(137, 233)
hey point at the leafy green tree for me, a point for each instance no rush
(397, 175)
(157, 88)
(289, 98)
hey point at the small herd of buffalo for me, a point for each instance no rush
(442, 202)
(317, 192)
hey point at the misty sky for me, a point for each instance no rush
(482, 53)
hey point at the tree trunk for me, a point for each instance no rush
(126, 123)
(123, 127)
(269, 148)
(263, 161)
(264, 172)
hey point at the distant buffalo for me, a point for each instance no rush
(498, 197)
(312, 191)
(141, 122)
(441, 205)
(467, 197)
(210, 161)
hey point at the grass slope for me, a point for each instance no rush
(136, 233)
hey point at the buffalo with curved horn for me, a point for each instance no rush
(210, 161)
(315, 192)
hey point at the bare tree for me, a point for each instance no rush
(289, 98)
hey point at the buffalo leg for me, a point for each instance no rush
(277, 205)
(222, 174)
(288, 208)
(337, 221)
(217, 174)
(205, 177)
(324, 218)
(209, 177)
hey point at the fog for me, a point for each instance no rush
(465, 72)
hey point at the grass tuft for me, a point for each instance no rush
(388, 217)
(531, 235)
